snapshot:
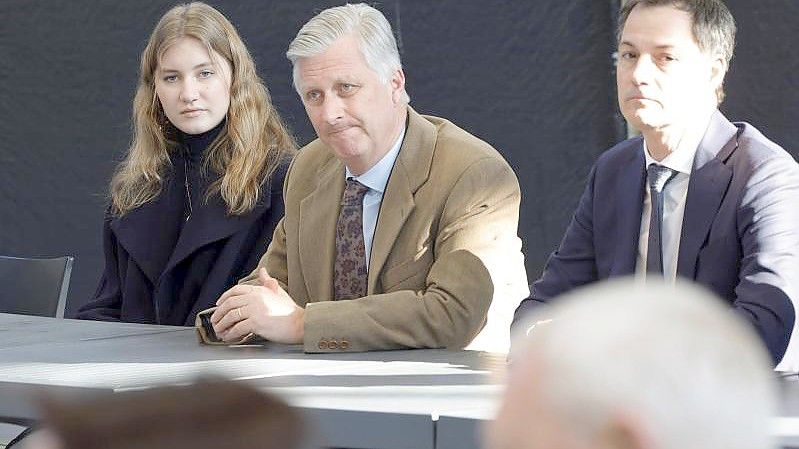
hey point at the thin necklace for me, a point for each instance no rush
(186, 184)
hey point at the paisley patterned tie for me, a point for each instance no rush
(350, 268)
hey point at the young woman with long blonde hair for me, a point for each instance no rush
(194, 203)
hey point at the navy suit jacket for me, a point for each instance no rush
(740, 233)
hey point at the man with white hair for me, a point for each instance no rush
(623, 366)
(400, 229)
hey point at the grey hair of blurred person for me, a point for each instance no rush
(369, 27)
(674, 357)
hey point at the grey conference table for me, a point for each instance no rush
(388, 399)
(415, 399)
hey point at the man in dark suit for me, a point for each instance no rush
(696, 196)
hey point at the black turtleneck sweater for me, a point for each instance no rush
(189, 163)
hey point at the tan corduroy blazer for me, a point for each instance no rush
(445, 244)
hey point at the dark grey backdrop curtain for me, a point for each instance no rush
(533, 78)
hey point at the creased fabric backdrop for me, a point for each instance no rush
(533, 78)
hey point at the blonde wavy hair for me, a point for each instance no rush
(249, 147)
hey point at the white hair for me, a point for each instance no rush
(675, 358)
(369, 27)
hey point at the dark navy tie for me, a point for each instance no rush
(657, 176)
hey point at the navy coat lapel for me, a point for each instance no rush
(149, 232)
(710, 179)
(211, 222)
(629, 197)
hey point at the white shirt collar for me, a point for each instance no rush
(376, 177)
(681, 160)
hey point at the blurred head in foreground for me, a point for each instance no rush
(205, 415)
(623, 365)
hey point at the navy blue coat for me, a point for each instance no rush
(740, 236)
(155, 273)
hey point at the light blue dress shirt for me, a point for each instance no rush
(375, 179)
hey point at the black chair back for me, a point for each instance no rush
(34, 286)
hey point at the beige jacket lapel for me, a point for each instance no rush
(410, 171)
(317, 231)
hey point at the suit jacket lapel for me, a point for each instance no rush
(410, 171)
(629, 207)
(706, 189)
(317, 229)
